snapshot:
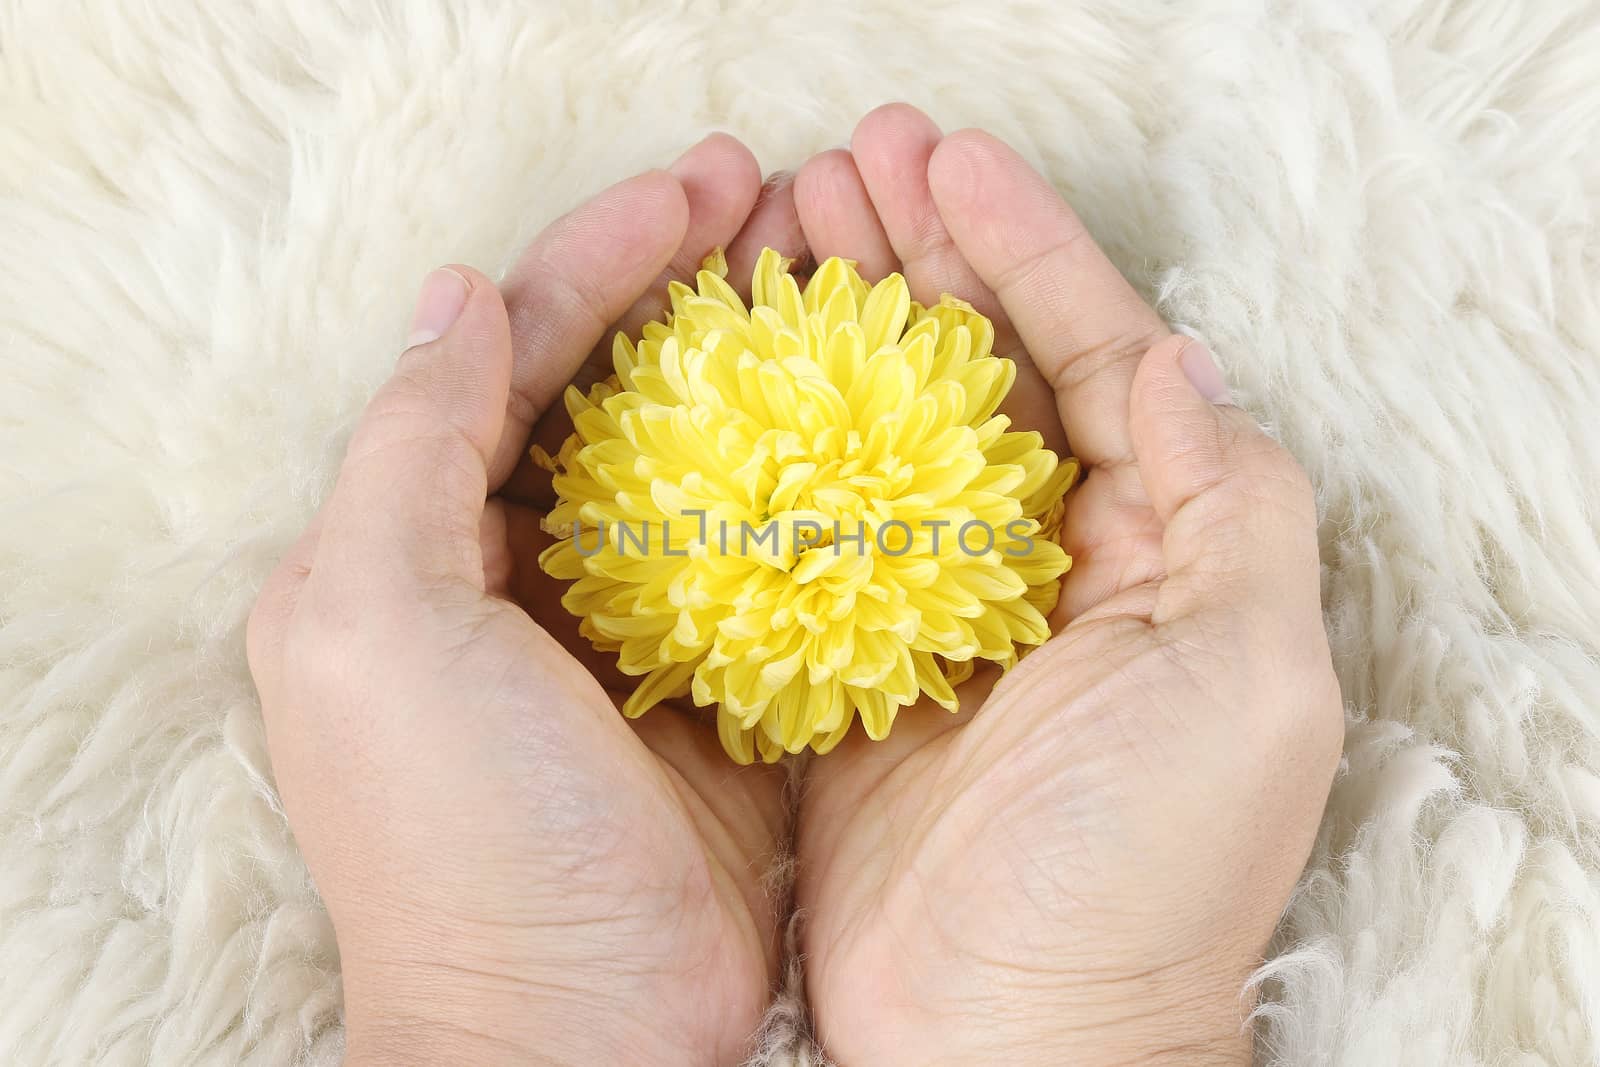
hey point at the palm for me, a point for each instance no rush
(969, 807)
(724, 822)
(659, 815)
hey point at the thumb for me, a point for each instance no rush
(1238, 512)
(410, 495)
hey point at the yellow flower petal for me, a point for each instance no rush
(806, 511)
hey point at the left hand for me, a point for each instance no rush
(1084, 864)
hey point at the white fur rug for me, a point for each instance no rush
(212, 224)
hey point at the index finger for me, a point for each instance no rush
(1084, 325)
(580, 274)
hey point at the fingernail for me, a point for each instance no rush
(444, 294)
(1200, 367)
(776, 180)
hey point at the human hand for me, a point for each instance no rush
(1085, 870)
(514, 871)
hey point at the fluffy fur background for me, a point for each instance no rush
(212, 223)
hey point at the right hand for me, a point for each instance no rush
(514, 871)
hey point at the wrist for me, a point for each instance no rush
(425, 989)
(1156, 1019)
(1155, 1049)
(393, 1042)
(1147, 1041)
(425, 1014)
(1147, 1022)
(1153, 1019)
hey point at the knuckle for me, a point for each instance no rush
(401, 416)
(270, 616)
(1264, 471)
(1048, 270)
(1028, 273)
(1290, 481)
(928, 236)
(1071, 369)
(399, 412)
(405, 395)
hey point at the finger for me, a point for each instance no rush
(721, 181)
(406, 509)
(772, 224)
(1240, 520)
(892, 147)
(837, 217)
(1084, 324)
(578, 276)
(1114, 538)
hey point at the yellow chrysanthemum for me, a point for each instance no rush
(806, 510)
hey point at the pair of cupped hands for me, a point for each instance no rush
(1081, 866)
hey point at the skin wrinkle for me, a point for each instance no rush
(723, 846)
(395, 1031)
(975, 772)
(1002, 997)
(1089, 364)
